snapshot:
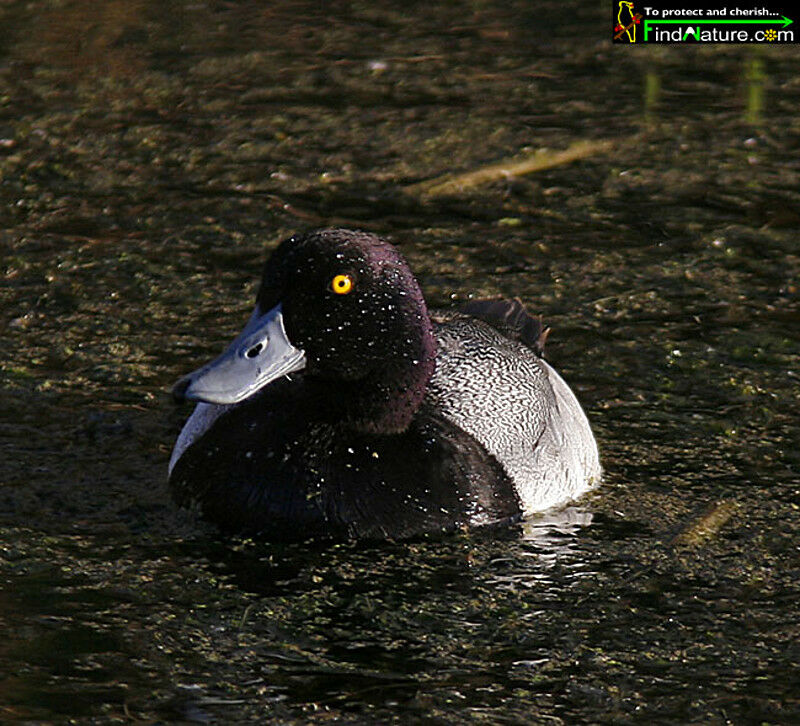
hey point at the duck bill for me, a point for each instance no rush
(260, 354)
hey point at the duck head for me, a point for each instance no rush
(344, 308)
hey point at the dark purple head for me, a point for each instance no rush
(343, 307)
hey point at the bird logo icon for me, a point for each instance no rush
(627, 21)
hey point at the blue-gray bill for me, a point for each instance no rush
(260, 354)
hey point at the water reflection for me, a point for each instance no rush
(558, 529)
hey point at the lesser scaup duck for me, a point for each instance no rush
(346, 408)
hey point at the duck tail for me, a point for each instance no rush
(512, 319)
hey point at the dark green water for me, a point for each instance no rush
(150, 155)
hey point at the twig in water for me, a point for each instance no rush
(537, 161)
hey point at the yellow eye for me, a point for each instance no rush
(342, 284)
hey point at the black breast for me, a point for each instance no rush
(278, 466)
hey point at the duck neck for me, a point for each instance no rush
(385, 400)
(388, 398)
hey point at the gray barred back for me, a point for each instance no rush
(528, 418)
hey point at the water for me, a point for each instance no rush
(150, 155)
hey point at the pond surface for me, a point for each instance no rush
(152, 153)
